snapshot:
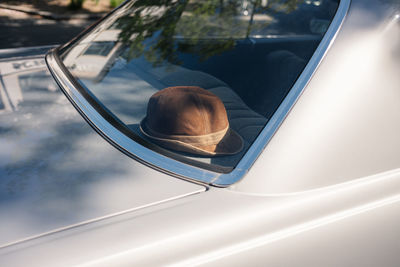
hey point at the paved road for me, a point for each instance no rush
(18, 29)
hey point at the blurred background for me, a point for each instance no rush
(26, 23)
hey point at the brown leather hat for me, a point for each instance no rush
(190, 119)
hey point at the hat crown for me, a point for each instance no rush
(186, 110)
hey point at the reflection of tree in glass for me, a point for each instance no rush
(153, 28)
(284, 6)
(296, 16)
(149, 29)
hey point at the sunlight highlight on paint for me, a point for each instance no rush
(298, 229)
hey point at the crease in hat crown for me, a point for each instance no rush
(192, 120)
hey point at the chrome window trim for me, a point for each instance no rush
(115, 137)
(284, 108)
(177, 168)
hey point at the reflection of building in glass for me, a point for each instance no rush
(2, 102)
(12, 74)
(93, 58)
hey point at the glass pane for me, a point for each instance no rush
(246, 53)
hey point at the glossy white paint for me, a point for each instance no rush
(55, 171)
(214, 226)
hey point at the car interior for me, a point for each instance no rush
(251, 75)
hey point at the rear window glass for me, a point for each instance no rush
(198, 79)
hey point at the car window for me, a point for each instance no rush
(197, 54)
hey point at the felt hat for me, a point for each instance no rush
(192, 120)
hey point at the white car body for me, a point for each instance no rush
(325, 191)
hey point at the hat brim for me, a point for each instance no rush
(231, 143)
